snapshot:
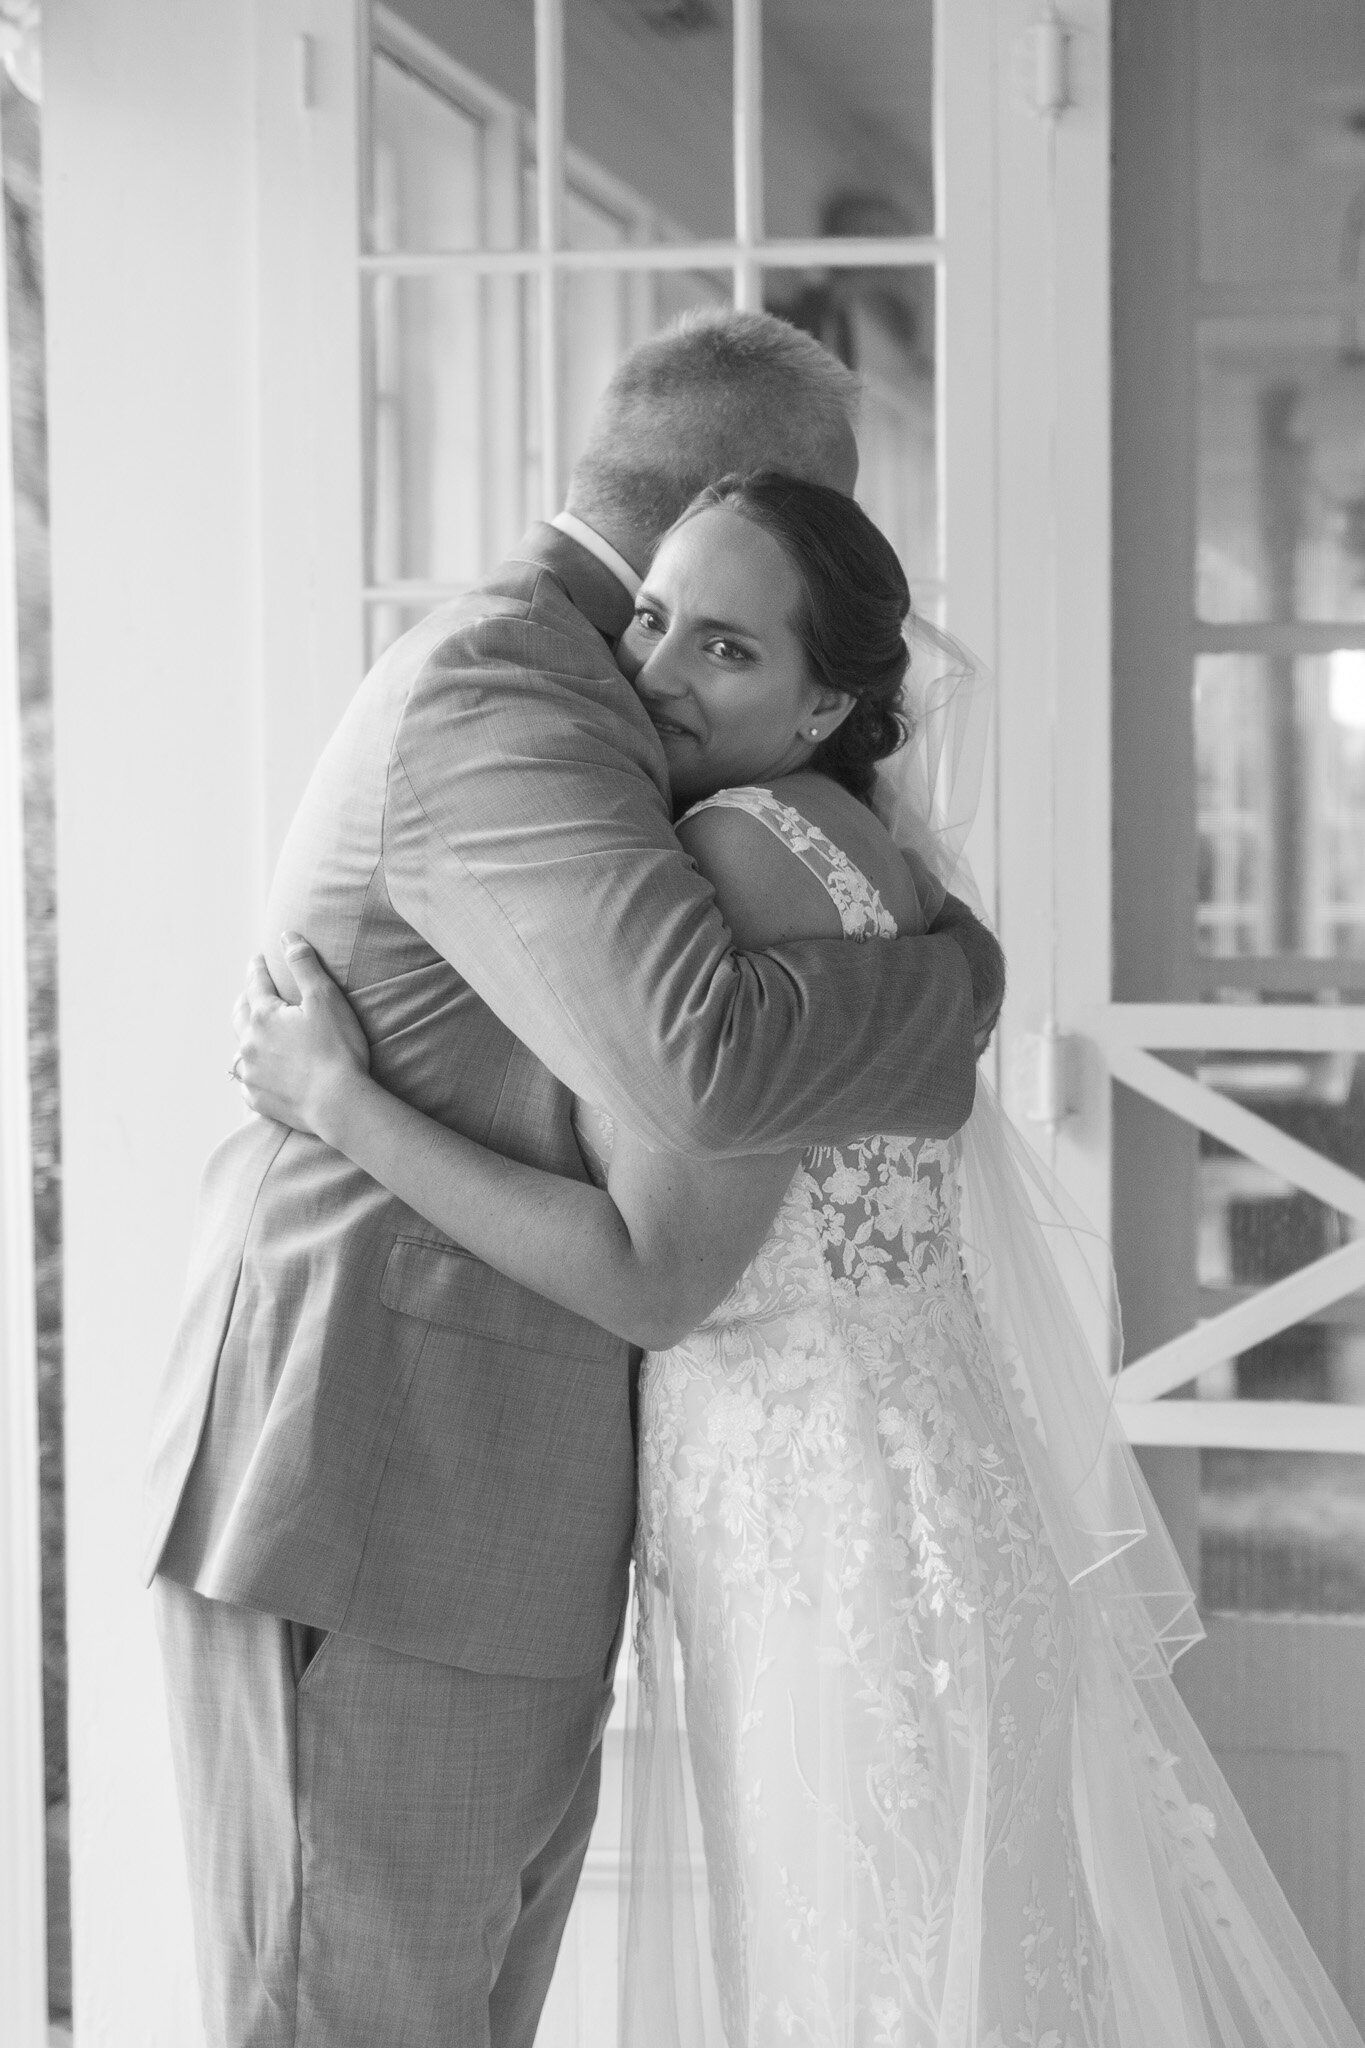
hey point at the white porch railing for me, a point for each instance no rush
(1129, 1034)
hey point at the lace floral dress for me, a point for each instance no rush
(829, 1492)
(860, 1668)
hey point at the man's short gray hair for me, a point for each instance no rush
(714, 393)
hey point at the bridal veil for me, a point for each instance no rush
(1201, 1949)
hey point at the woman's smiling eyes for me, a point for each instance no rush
(650, 619)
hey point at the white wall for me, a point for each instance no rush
(194, 641)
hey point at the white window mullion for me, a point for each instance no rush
(369, 367)
(504, 420)
(748, 137)
(549, 227)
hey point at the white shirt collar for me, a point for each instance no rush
(577, 529)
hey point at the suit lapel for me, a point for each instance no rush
(589, 584)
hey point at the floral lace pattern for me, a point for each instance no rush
(879, 1651)
(861, 910)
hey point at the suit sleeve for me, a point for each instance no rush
(527, 838)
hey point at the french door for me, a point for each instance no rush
(545, 185)
(1238, 1149)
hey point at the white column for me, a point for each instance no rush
(205, 514)
(1053, 519)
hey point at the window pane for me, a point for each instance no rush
(648, 94)
(452, 133)
(450, 466)
(848, 117)
(1281, 470)
(1280, 161)
(1280, 750)
(455, 455)
(881, 323)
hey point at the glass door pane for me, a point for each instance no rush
(1279, 159)
(1281, 468)
(848, 94)
(880, 321)
(648, 96)
(1239, 786)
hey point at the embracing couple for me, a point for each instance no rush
(618, 1023)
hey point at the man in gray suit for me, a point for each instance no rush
(391, 1492)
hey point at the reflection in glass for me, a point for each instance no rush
(648, 98)
(1281, 470)
(1280, 757)
(881, 323)
(449, 152)
(848, 117)
(1279, 94)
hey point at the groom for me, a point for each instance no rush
(391, 1492)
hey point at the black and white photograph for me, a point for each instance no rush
(682, 1024)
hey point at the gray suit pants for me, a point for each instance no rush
(382, 1851)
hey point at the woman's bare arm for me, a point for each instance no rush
(647, 1257)
(650, 1255)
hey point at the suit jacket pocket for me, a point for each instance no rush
(444, 1285)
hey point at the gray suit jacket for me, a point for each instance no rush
(361, 1426)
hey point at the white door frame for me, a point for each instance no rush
(1051, 348)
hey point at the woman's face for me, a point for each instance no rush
(716, 661)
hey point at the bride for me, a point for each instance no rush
(921, 1609)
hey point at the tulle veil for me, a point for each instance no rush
(1203, 1950)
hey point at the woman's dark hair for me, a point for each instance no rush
(851, 620)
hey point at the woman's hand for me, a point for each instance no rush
(298, 1063)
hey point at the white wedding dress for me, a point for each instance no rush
(940, 1774)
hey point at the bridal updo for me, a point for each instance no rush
(851, 620)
